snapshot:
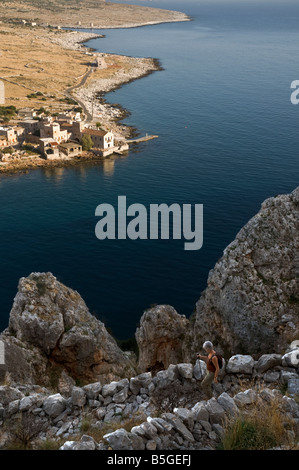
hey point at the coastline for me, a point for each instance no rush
(132, 25)
(90, 92)
(102, 15)
(92, 95)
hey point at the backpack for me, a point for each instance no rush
(220, 360)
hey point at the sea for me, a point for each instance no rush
(228, 139)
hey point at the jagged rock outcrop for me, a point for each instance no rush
(50, 325)
(251, 303)
(160, 338)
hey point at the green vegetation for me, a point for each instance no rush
(7, 150)
(86, 142)
(30, 150)
(38, 94)
(68, 101)
(129, 344)
(78, 109)
(40, 284)
(43, 110)
(23, 430)
(7, 113)
(244, 434)
(49, 444)
(263, 428)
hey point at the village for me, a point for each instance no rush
(61, 137)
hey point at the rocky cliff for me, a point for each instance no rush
(160, 338)
(51, 330)
(251, 303)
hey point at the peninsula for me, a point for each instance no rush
(48, 72)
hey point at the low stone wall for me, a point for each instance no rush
(165, 411)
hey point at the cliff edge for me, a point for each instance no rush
(251, 303)
(50, 329)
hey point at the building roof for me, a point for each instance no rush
(94, 132)
(65, 124)
(70, 144)
(49, 140)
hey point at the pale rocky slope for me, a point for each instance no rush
(164, 412)
(251, 303)
(50, 329)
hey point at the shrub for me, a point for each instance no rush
(7, 113)
(49, 444)
(260, 428)
(86, 142)
(41, 285)
(129, 344)
(8, 150)
(23, 430)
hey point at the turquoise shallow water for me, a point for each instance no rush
(228, 139)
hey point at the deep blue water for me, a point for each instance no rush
(228, 139)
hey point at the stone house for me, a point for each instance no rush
(3, 141)
(30, 125)
(26, 113)
(49, 148)
(101, 139)
(53, 131)
(70, 149)
(10, 134)
(77, 130)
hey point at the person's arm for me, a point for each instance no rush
(204, 358)
(215, 362)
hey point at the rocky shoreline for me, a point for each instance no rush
(99, 15)
(91, 96)
(88, 95)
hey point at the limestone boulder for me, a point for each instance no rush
(9, 394)
(291, 358)
(245, 398)
(140, 381)
(160, 338)
(52, 323)
(240, 364)
(267, 361)
(124, 440)
(54, 405)
(227, 403)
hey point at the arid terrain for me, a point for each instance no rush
(42, 58)
(46, 67)
(38, 66)
(98, 14)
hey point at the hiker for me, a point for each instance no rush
(212, 368)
